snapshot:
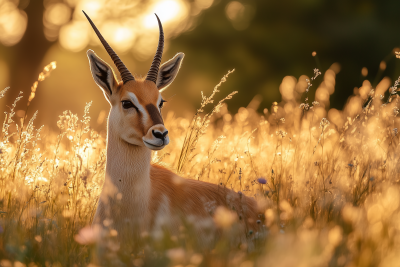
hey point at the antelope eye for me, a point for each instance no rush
(126, 104)
(162, 103)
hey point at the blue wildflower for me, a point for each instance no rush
(262, 180)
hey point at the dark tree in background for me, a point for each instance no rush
(280, 37)
(25, 58)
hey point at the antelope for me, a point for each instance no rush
(139, 197)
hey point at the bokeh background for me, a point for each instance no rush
(263, 40)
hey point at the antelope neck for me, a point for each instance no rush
(127, 165)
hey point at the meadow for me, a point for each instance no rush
(328, 180)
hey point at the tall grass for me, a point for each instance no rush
(328, 181)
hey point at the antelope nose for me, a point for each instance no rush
(159, 135)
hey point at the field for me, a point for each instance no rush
(327, 179)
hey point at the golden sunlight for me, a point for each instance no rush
(120, 37)
(128, 29)
(199, 5)
(74, 36)
(239, 14)
(57, 14)
(167, 11)
(92, 7)
(12, 23)
(234, 10)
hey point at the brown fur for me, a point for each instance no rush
(154, 114)
(189, 197)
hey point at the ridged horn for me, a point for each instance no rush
(126, 75)
(153, 72)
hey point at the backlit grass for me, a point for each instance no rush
(328, 181)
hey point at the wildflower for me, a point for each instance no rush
(224, 218)
(395, 131)
(304, 106)
(316, 73)
(281, 133)
(262, 180)
(315, 103)
(324, 123)
(282, 120)
(196, 259)
(176, 254)
(88, 235)
(2, 93)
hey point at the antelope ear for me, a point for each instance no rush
(102, 74)
(168, 71)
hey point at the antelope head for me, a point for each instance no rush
(136, 103)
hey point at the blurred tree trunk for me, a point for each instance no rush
(24, 59)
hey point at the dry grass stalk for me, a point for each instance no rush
(199, 124)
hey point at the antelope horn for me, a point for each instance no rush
(125, 73)
(153, 72)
